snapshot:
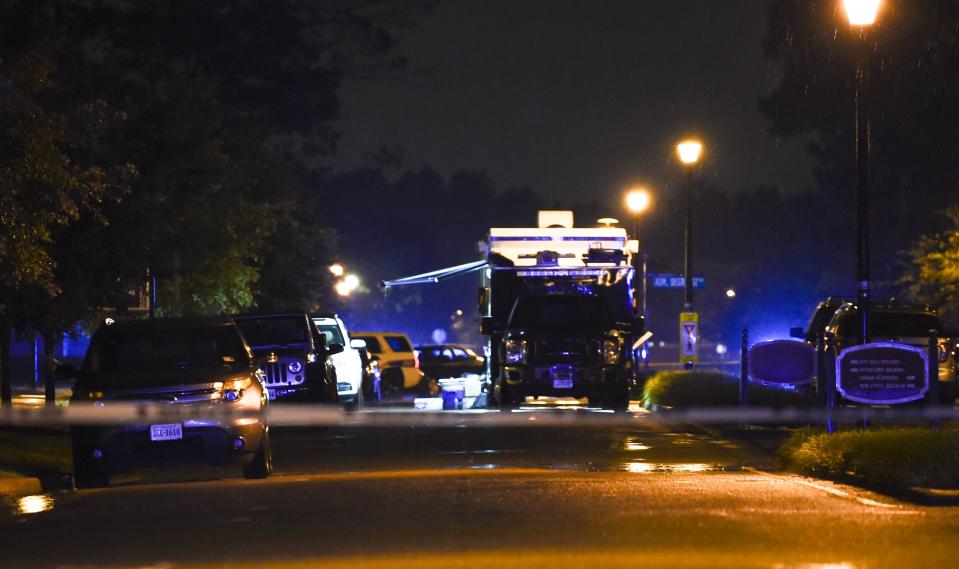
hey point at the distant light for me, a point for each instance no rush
(689, 151)
(342, 288)
(438, 335)
(352, 281)
(638, 200)
(459, 312)
(643, 354)
(721, 349)
(337, 270)
(730, 293)
(607, 221)
(34, 504)
(862, 12)
(109, 321)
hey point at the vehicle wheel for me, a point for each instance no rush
(87, 473)
(357, 403)
(262, 464)
(391, 383)
(504, 398)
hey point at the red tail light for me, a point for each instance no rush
(416, 360)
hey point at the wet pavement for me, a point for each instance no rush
(643, 496)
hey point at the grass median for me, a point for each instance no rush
(893, 458)
(704, 388)
(34, 452)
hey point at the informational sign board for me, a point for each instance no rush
(883, 373)
(784, 362)
(688, 337)
(674, 281)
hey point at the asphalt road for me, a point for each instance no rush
(408, 496)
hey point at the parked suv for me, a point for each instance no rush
(440, 361)
(900, 323)
(348, 363)
(293, 356)
(398, 363)
(197, 364)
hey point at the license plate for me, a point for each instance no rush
(562, 384)
(171, 432)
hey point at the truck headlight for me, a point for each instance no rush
(295, 366)
(611, 352)
(515, 351)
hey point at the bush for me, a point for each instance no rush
(893, 457)
(704, 388)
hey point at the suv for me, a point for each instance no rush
(563, 345)
(398, 363)
(292, 355)
(196, 364)
(895, 322)
(348, 363)
(820, 318)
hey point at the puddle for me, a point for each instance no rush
(33, 504)
(660, 468)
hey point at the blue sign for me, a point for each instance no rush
(674, 281)
(883, 373)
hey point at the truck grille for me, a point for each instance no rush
(575, 352)
(275, 373)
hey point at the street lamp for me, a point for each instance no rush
(638, 200)
(862, 14)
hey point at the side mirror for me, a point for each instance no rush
(358, 344)
(489, 326)
(335, 348)
(797, 332)
(65, 372)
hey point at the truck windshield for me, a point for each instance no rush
(274, 331)
(560, 312)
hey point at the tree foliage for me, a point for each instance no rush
(932, 272)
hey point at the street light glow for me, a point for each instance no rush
(342, 288)
(352, 281)
(337, 270)
(689, 150)
(638, 200)
(862, 12)
(730, 293)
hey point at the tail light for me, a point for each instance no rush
(416, 359)
(945, 346)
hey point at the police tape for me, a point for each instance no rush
(561, 415)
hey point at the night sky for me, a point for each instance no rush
(578, 100)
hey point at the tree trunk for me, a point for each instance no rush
(6, 390)
(49, 368)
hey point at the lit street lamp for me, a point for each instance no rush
(638, 200)
(862, 14)
(689, 151)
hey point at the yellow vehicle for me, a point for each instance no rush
(398, 363)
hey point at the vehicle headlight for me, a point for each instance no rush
(295, 366)
(611, 352)
(238, 391)
(515, 351)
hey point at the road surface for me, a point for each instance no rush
(408, 496)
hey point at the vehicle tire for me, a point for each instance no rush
(262, 464)
(357, 403)
(391, 383)
(505, 399)
(87, 473)
(618, 398)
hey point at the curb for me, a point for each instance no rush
(21, 486)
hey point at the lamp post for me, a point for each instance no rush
(638, 200)
(862, 15)
(689, 151)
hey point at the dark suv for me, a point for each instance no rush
(199, 365)
(563, 345)
(293, 356)
(900, 323)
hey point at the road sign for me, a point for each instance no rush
(883, 373)
(674, 281)
(688, 336)
(786, 362)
